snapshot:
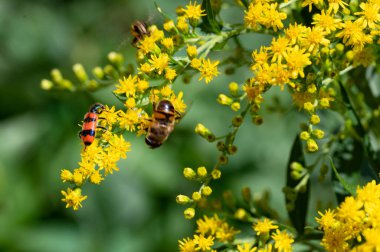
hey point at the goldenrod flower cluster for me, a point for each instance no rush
(355, 224)
(212, 231)
(299, 54)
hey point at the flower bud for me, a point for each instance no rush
(116, 58)
(189, 173)
(189, 213)
(223, 159)
(169, 25)
(216, 174)
(232, 149)
(304, 135)
(206, 191)
(318, 133)
(257, 119)
(311, 89)
(308, 106)
(295, 166)
(240, 214)
(235, 106)
(182, 199)
(233, 87)
(314, 119)
(247, 195)
(202, 171)
(201, 130)
(98, 72)
(196, 196)
(312, 146)
(224, 100)
(46, 84)
(237, 121)
(80, 73)
(56, 75)
(191, 51)
(324, 102)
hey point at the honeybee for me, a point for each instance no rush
(139, 30)
(162, 123)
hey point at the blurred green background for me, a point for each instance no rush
(134, 209)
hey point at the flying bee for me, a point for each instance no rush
(139, 30)
(162, 123)
(90, 123)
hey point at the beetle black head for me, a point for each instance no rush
(96, 108)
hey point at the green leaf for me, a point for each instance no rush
(209, 23)
(298, 213)
(349, 188)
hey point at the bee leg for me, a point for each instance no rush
(80, 134)
(101, 127)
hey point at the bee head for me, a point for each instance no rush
(152, 144)
(165, 105)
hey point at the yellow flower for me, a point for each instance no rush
(296, 32)
(278, 48)
(208, 70)
(129, 119)
(187, 245)
(297, 60)
(178, 103)
(193, 11)
(203, 243)
(282, 241)
(108, 162)
(327, 219)
(273, 17)
(130, 102)
(119, 146)
(96, 178)
(326, 21)
(170, 74)
(182, 24)
(335, 4)
(126, 86)
(160, 63)
(370, 14)
(169, 25)
(263, 227)
(246, 247)
(147, 45)
(142, 85)
(168, 43)
(73, 198)
(191, 51)
(311, 2)
(195, 63)
(145, 68)
(66, 175)
(253, 15)
(208, 225)
(353, 35)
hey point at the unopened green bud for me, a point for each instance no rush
(295, 175)
(223, 159)
(56, 75)
(257, 119)
(80, 73)
(115, 58)
(109, 70)
(206, 191)
(350, 55)
(339, 47)
(46, 84)
(224, 100)
(182, 199)
(220, 145)
(98, 72)
(210, 138)
(232, 149)
(295, 166)
(189, 173)
(237, 121)
(247, 195)
(240, 214)
(189, 213)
